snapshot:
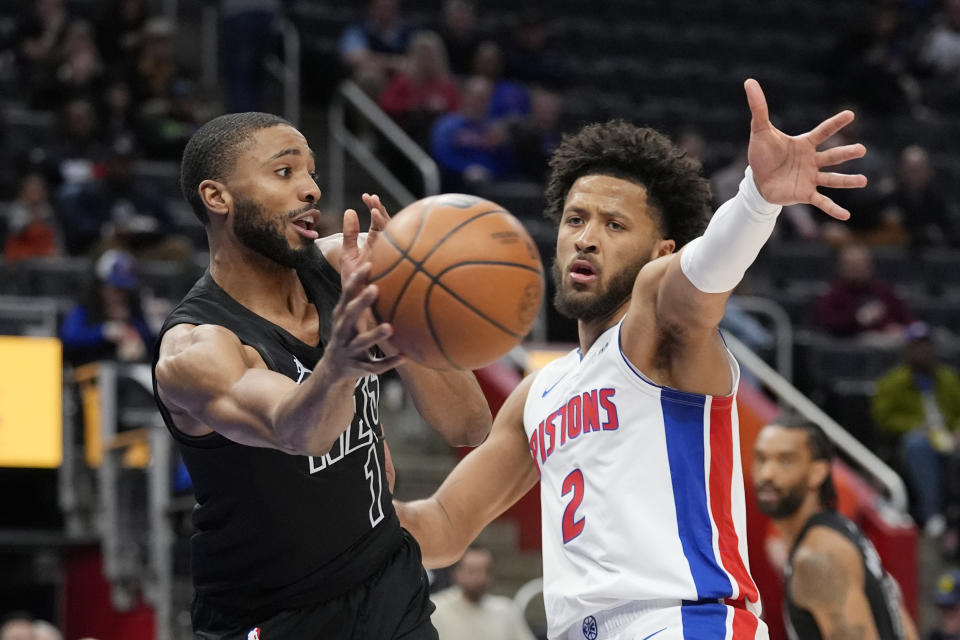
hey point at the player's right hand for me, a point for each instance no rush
(348, 353)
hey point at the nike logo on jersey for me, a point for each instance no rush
(550, 388)
(654, 633)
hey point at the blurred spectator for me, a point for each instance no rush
(940, 56)
(460, 34)
(155, 69)
(119, 29)
(947, 599)
(466, 611)
(917, 200)
(467, 145)
(919, 403)
(534, 138)
(79, 71)
(43, 630)
(246, 34)
(374, 48)
(39, 36)
(116, 113)
(136, 216)
(32, 228)
(17, 626)
(857, 302)
(415, 98)
(164, 126)
(530, 56)
(509, 99)
(870, 64)
(109, 323)
(78, 156)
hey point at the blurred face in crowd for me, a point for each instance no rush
(784, 471)
(384, 12)
(920, 356)
(460, 17)
(915, 169)
(472, 574)
(488, 61)
(33, 189)
(855, 264)
(80, 119)
(427, 56)
(17, 630)
(476, 98)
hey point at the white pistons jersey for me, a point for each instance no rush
(642, 497)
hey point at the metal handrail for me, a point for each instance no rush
(343, 141)
(287, 71)
(788, 394)
(782, 329)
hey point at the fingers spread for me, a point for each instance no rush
(830, 126)
(759, 115)
(839, 155)
(829, 207)
(841, 180)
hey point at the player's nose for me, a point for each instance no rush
(585, 241)
(309, 190)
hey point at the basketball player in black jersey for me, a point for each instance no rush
(835, 585)
(265, 378)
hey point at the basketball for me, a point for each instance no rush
(459, 279)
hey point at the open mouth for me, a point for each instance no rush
(306, 224)
(582, 271)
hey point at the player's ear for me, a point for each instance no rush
(662, 248)
(215, 197)
(819, 470)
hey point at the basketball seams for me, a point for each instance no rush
(418, 264)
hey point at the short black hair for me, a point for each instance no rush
(212, 152)
(821, 448)
(674, 182)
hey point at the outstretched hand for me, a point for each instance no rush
(355, 249)
(787, 169)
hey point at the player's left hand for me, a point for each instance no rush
(786, 168)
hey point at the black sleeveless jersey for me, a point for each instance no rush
(881, 591)
(273, 530)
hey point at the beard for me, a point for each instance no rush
(265, 236)
(786, 505)
(588, 307)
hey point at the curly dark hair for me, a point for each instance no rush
(212, 152)
(677, 190)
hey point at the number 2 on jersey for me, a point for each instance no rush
(571, 526)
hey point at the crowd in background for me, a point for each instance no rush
(489, 107)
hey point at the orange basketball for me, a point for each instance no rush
(459, 279)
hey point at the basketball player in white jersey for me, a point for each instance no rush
(634, 435)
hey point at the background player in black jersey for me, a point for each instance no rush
(265, 378)
(835, 585)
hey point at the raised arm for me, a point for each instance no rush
(828, 582)
(689, 291)
(451, 402)
(210, 381)
(484, 485)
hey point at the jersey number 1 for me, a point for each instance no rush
(570, 525)
(371, 470)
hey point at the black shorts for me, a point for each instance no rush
(392, 604)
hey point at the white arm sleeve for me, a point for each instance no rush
(716, 261)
